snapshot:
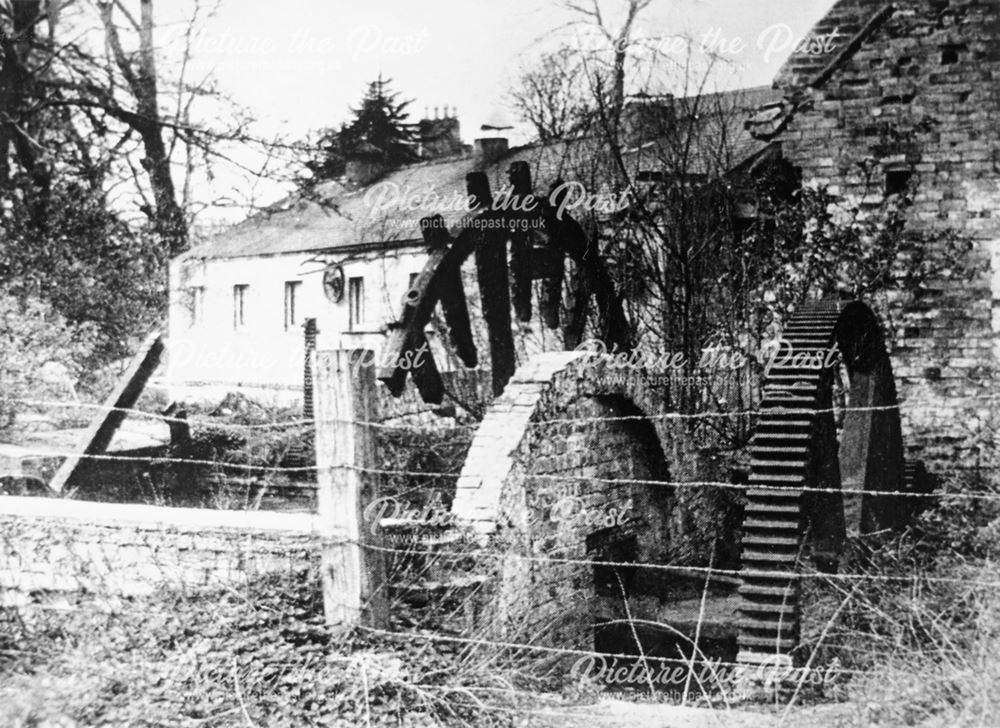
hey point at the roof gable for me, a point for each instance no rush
(834, 33)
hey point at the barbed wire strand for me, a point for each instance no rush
(678, 485)
(678, 568)
(210, 422)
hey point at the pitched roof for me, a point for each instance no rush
(334, 216)
(389, 211)
(713, 137)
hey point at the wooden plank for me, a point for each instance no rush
(521, 248)
(546, 263)
(456, 314)
(105, 424)
(491, 269)
(353, 577)
(568, 236)
(440, 278)
(551, 301)
(575, 323)
(520, 265)
(425, 372)
(445, 285)
(310, 332)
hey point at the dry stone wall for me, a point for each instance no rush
(55, 549)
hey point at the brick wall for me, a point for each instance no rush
(581, 516)
(557, 417)
(61, 549)
(921, 94)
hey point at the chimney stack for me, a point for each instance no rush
(648, 117)
(364, 166)
(440, 136)
(489, 149)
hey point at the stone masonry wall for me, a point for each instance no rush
(568, 414)
(580, 515)
(55, 549)
(921, 95)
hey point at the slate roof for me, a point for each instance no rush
(714, 137)
(337, 218)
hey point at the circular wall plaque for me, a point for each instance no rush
(333, 283)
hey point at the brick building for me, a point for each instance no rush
(908, 100)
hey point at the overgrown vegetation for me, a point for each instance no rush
(42, 354)
(252, 656)
(260, 655)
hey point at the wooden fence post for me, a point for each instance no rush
(353, 576)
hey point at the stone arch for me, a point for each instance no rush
(592, 425)
(542, 387)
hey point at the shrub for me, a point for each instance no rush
(40, 354)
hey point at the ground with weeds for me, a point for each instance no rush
(260, 656)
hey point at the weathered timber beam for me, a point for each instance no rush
(440, 279)
(103, 427)
(450, 291)
(425, 372)
(568, 236)
(520, 240)
(491, 268)
(551, 300)
(546, 263)
(576, 311)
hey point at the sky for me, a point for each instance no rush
(302, 68)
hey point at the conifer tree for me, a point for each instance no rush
(380, 128)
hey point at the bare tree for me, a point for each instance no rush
(17, 88)
(145, 120)
(610, 78)
(99, 71)
(552, 95)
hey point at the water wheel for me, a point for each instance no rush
(797, 516)
(539, 239)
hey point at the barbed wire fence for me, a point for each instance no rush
(414, 575)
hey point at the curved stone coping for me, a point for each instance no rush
(157, 517)
(504, 428)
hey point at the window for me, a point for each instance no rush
(239, 305)
(292, 289)
(355, 303)
(897, 181)
(952, 53)
(197, 305)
